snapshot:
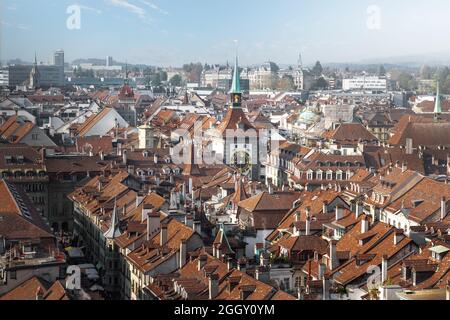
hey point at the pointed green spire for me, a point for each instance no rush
(437, 106)
(236, 86)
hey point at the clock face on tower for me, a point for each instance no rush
(236, 98)
(241, 160)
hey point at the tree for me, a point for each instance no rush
(193, 71)
(286, 83)
(382, 71)
(317, 70)
(163, 75)
(156, 80)
(406, 81)
(320, 84)
(425, 73)
(176, 80)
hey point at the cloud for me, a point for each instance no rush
(124, 4)
(91, 9)
(14, 25)
(154, 6)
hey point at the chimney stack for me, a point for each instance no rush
(321, 271)
(230, 264)
(409, 146)
(334, 262)
(325, 207)
(384, 269)
(202, 259)
(163, 235)
(326, 288)
(447, 291)
(213, 286)
(183, 253)
(153, 223)
(124, 157)
(364, 225)
(102, 156)
(155, 158)
(197, 227)
(359, 209)
(443, 208)
(404, 166)
(308, 224)
(398, 236)
(339, 212)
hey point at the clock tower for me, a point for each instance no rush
(239, 140)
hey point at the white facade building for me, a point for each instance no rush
(365, 83)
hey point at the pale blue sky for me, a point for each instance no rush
(171, 32)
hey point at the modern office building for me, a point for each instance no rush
(365, 83)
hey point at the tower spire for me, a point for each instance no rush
(235, 91)
(437, 105)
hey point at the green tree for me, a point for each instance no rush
(163, 75)
(382, 71)
(286, 83)
(405, 80)
(176, 80)
(156, 80)
(193, 71)
(317, 70)
(320, 84)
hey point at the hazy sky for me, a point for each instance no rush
(172, 32)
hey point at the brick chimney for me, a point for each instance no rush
(398, 236)
(213, 286)
(308, 224)
(163, 235)
(443, 208)
(325, 207)
(326, 288)
(339, 212)
(124, 157)
(183, 252)
(334, 262)
(447, 291)
(321, 271)
(202, 259)
(384, 269)
(365, 225)
(153, 223)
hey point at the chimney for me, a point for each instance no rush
(325, 207)
(270, 188)
(447, 291)
(191, 186)
(202, 259)
(404, 167)
(334, 262)
(153, 223)
(102, 156)
(339, 212)
(139, 199)
(398, 236)
(242, 265)
(364, 225)
(124, 157)
(163, 235)
(297, 216)
(409, 146)
(230, 264)
(197, 227)
(443, 208)
(384, 269)
(155, 158)
(183, 252)
(321, 271)
(213, 286)
(39, 294)
(326, 288)
(308, 224)
(262, 274)
(359, 209)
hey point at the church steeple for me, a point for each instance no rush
(437, 105)
(236, 94)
